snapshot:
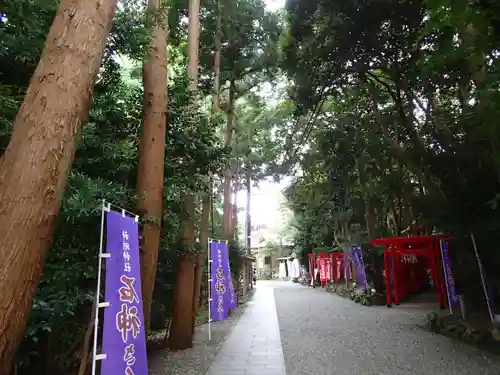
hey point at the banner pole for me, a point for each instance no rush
(209, 242)
(483, 281)
(230, 281)
(95, 357)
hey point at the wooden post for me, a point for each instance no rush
(181, 331)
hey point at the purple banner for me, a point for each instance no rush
(231, 296)
(124, 341)
(220, 284)
(359, 266)
(450, 282)
(347, 268)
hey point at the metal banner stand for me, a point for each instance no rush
(483, 278)
(105, 207)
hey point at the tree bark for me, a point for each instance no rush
(152, 154)
(200, 262)
(193, 48)
(234, 212)
(206, 209)
(218, 46)
(35, 166)
(370, 218)
(182, 334)
(228, 173)
(248, 241)
(84, 356)
(205, 218)
(188, 223)
(181, 331)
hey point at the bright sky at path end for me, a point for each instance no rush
(265, 201)
(274, 4)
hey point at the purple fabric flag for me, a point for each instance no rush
(220, 284)
(453, 300)
(124, 341)
(232, 295)
(359, 265)
(347, 268)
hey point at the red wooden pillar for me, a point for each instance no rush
(313, 277)
(394, 274)
(388, 297)
(332, 276)
(433, 270)
(317, 262)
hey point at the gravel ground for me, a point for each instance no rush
(323, 334)
(197, 360)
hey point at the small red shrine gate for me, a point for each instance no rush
(406, 262)
(330, 267)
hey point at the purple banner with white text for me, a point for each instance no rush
(232, 295)
(453, 300)
(359, 266)
(124, 341)
(220, 284)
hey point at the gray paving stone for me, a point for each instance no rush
(254, 345)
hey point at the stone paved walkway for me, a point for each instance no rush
(254, 345)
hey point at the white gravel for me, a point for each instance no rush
(323, 334)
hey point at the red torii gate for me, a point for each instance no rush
(331, 263)
(397, 273)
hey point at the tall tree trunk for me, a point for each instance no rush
(152, 155)
(84, 356)
(229, 172)
(182, 334)
(205, 219)
(215, 95)
(212, 213)
(218, 45)
(206, 200)
(370, 218)
(234, 212)
(249, 201)
(235, 170)
(188, 223)
(200, 260)
(181, 330)
(35, 166)
(206, 209)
